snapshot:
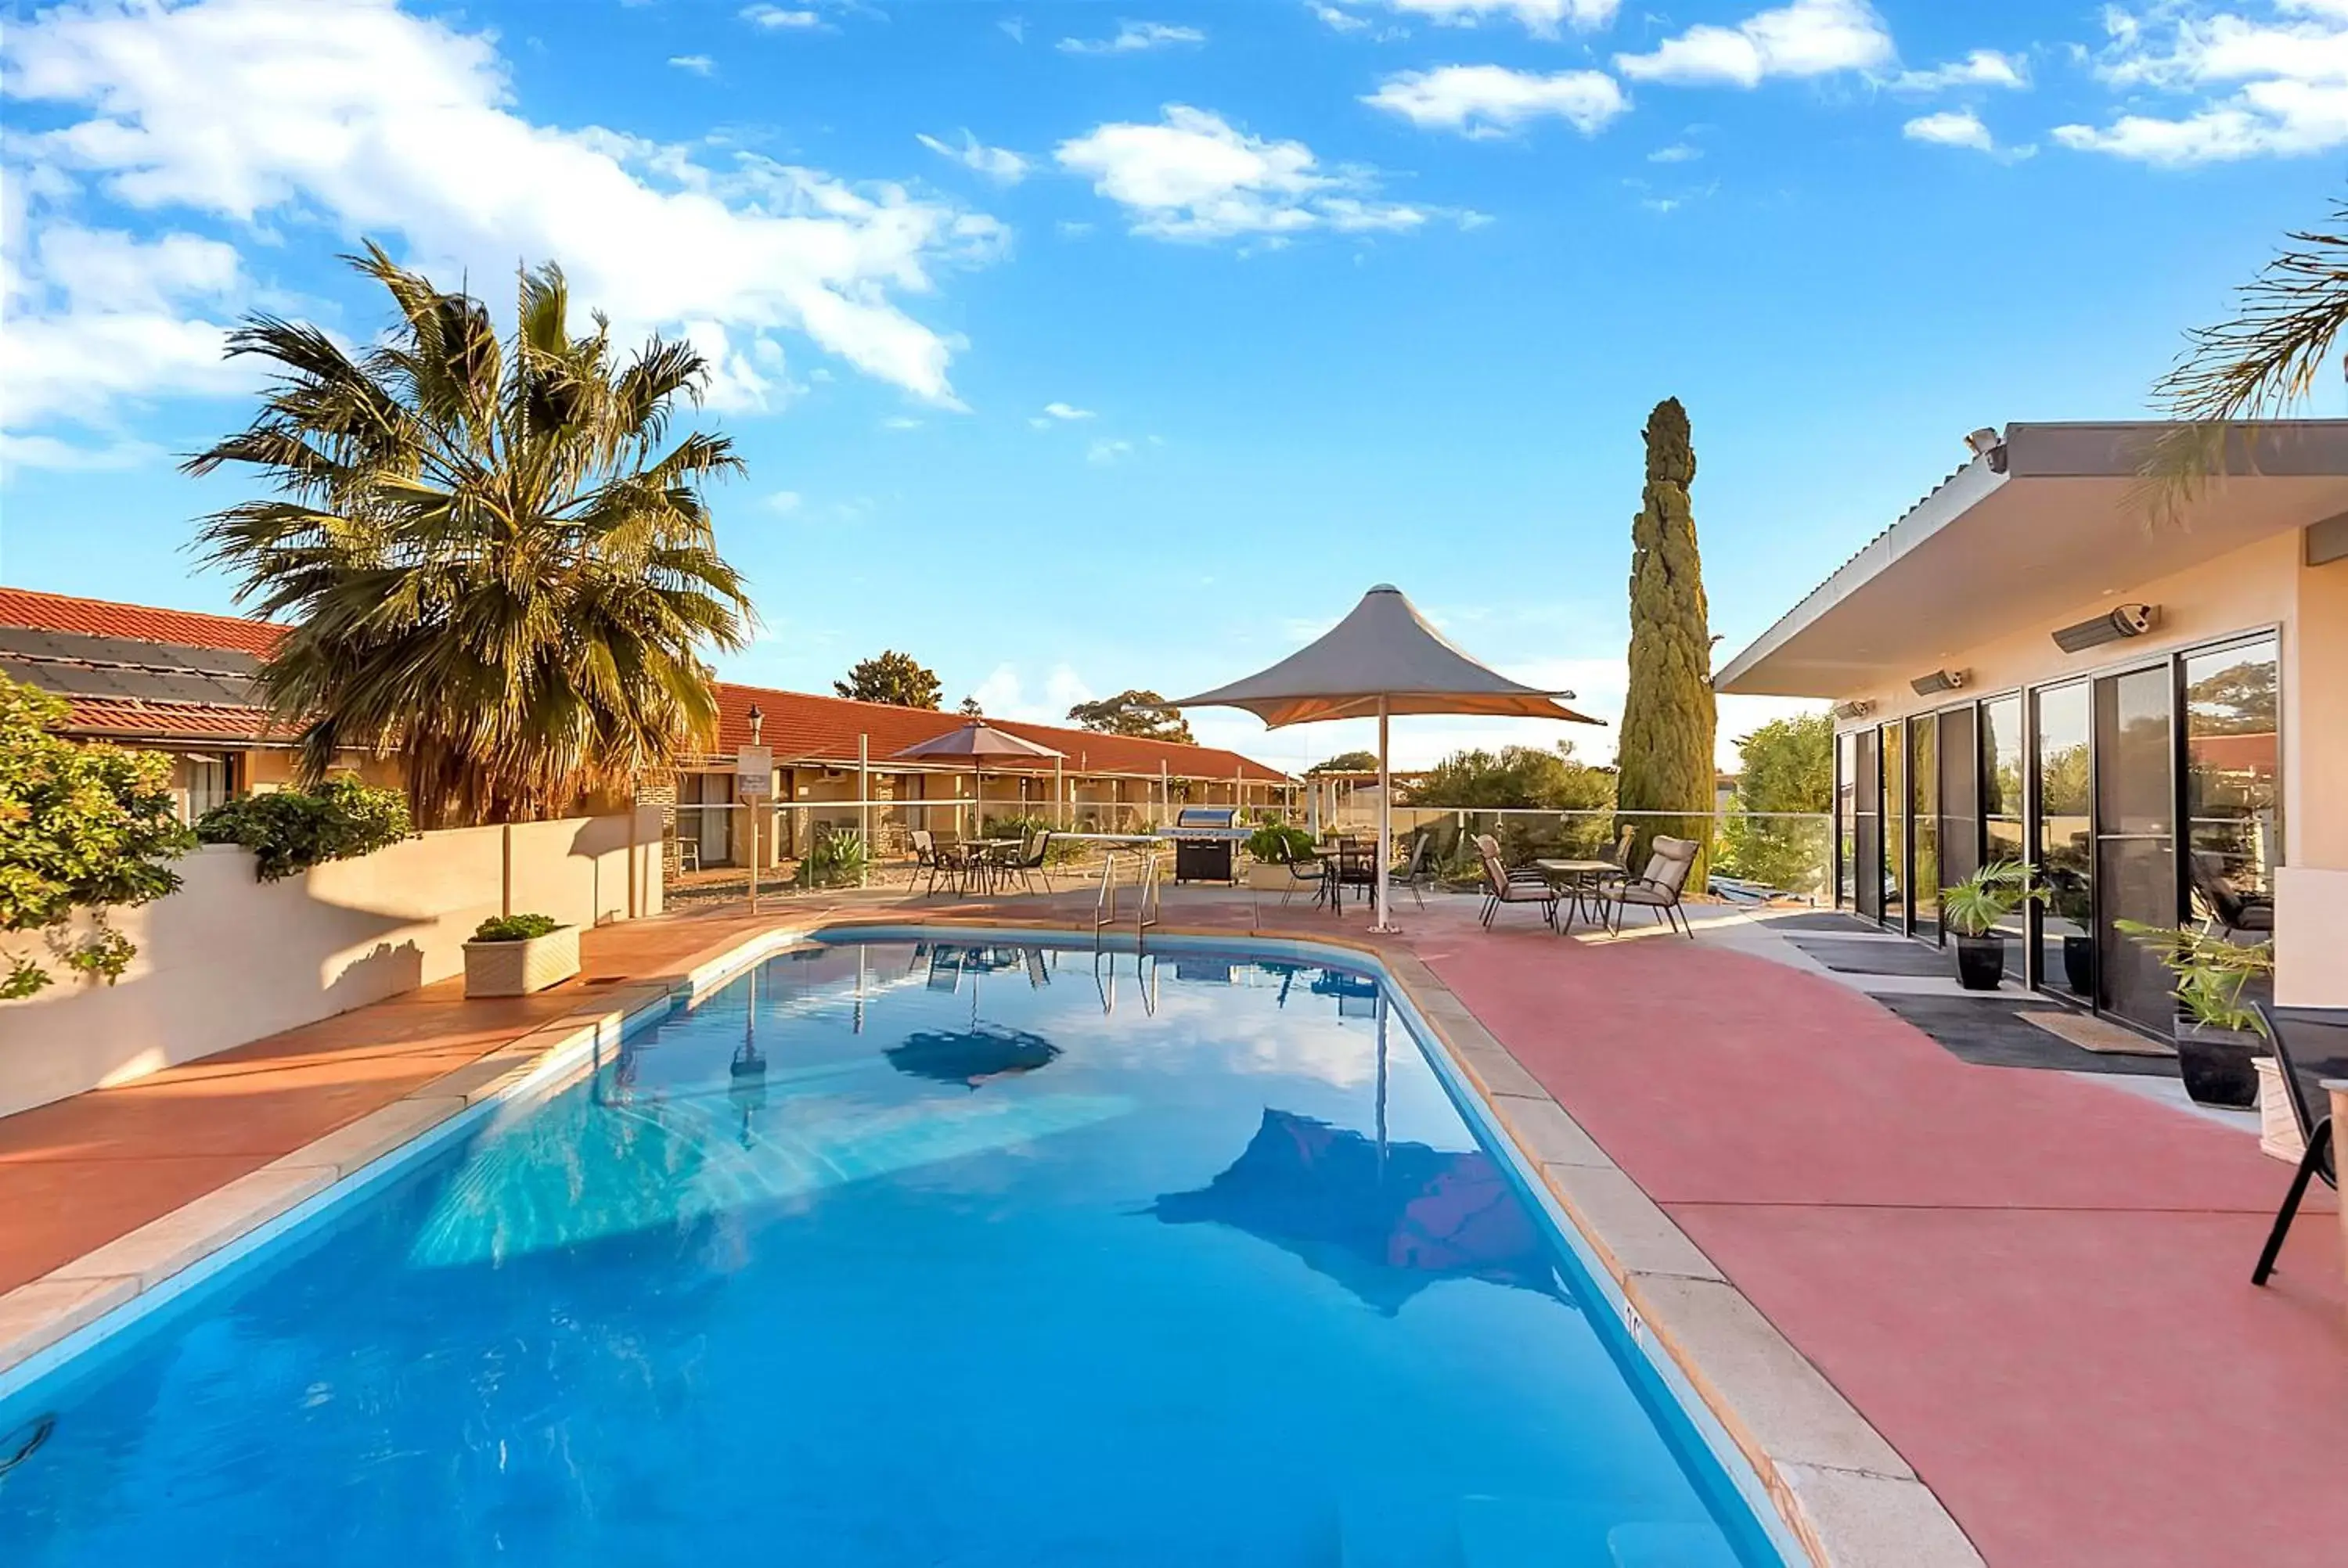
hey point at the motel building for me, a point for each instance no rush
(2152, 711)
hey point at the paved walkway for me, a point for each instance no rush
(2035, 1288)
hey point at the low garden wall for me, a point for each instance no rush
(228, 959)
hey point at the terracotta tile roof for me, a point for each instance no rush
(800, 726)
(100, 617)
(119, 719)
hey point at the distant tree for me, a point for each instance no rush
(892, 678)
(1348, 763)
(1522, 778)
(1138, 713)
(1665, 753)
(494, 552)
(970, 708)
(1787, 767)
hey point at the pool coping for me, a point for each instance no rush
(1837, 1485)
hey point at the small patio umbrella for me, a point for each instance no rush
(1382, 660)
(981, 743)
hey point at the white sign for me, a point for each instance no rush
(754, 773)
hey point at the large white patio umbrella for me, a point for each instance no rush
(1382, 660)
(982, 742)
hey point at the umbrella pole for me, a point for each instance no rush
(1386, 825)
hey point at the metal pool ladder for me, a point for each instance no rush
(1144, 878)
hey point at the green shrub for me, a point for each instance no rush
(515, 927)
(81, 827)
(1266, 843)
(837, 859)
(289, 831)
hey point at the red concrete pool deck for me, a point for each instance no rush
(2035, 1288)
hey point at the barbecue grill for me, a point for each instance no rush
(1204, 838)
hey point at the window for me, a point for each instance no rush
(1895, 826)
(2000, 792)
(1846, 829)
(2233, 791)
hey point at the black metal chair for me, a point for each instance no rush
(2316, 1130)
(1659, 887)
(1316, 877)
(1418, 869)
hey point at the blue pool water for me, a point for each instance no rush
(902, 1254)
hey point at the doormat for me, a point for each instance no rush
(2091, 1033)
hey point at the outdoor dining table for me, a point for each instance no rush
(1575, 877)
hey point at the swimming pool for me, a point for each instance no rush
(913, 1253)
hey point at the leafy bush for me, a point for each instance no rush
(837, 859)
(515, 927)
(289, 831)
(1974, 907)
(81, 827)
(1266, 843)
(2211, 972)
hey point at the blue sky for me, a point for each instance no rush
(1076, 347)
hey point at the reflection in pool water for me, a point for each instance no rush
(905, 1255)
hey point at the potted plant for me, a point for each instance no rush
(2068, 896)
(514, 955)
(1264, 846)
(1971, 911)
(2222, 1036)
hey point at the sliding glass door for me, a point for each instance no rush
(2063, 847)
(1924, 826)
(1894, 755)
(1867, 825)
(2000, 783)
(2135, 839)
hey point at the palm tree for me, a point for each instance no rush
(493, 561)
(2263, 361)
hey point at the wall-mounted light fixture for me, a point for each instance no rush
(2127, 620)
(1938, 680)
(1985, 441)
(1859, 710)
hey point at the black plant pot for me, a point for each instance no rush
(2217, 1065)
(1981, 962)
(2080, 965)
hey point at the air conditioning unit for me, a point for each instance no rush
(2127, 620)
(1938, 680)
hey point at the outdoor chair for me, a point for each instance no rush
(939, 861)
(2319, 1159)
(1657, 887)
(689, 854)
(1027, 863)
(1418, 869)
(1501, 886)
(1303, 873)
(2226, 905)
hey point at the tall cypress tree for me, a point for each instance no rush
(1665, 753)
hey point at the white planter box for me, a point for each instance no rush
(1263, 878)
(517, 968)
(2278, 1128)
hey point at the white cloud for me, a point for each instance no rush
(1952, 128)
(900, 422)
(48, 451)
(1133, 38)
(779, 19)
(998, 163)
(699, 64)
(1192, 176)
(1059, 413)
(2249, 88)
(1540, 18)
(1979, 68)
(1004, 695)
(1336, 19)
(1678, 152)
(1806, 39)
(357, 116)
(784, 502)
(1492, 100)
(1014, 28)
(1107, 451)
